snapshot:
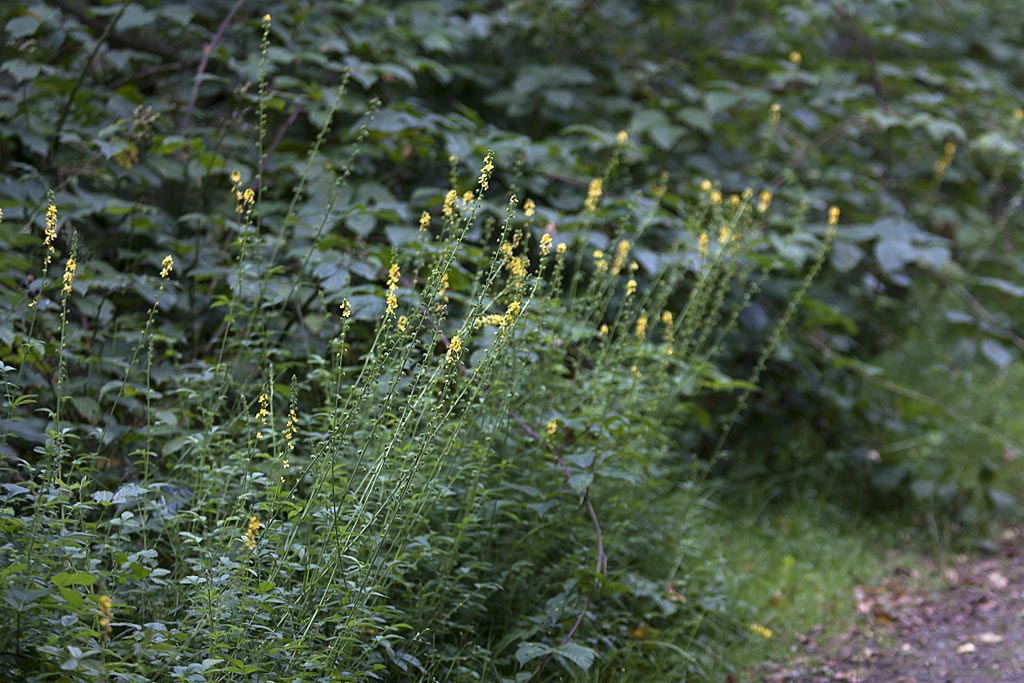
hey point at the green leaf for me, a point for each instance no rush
(73, 579)
(580, 655)
(22, 27)
(528, 652)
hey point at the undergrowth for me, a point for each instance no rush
(460, 470)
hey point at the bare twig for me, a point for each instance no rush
(207, 51)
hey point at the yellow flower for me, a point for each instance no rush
(392, 304)
(949, 149)
(776, 112)
(716, 197)
(545, 243)
(236, 178)
(666, 318)
(702, 245)
(106, 607)
(167, 266)
(594, 192)
(724, 235)
(795, 57)
(485, 173)
(529, 208)
(266, 18)
(515, 308)
(631, 288)
(635, 370)
(454, 347)
(641, 327)
(51, 231)
(764, 200)
(69, 275)
(560, 249)
(622, 137)
(603, 330)
(705, 185)
(251, 530)
(762, 631)
(621, 252)
(403, 323)
(449, 203)
(467, 197)
(734, 199)
(346, 309)
(394, 275)
(552, 428)
(833, 215)
(444, 284)
(424, 221)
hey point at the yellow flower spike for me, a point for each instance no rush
(485, 173)
(666, 318)
(424, 221)
(454, 348)
(69, 275)
(403, 323)
(392, 304)
(529, 208)
(106, 607)
(449, 203)
(641, 327)
(594, 192)
(724, 235)
(621, 252)
(833, 216)
(251, 529)
(702, 245)
(552, 428)
(545, 243)
(762, 631)
(167, 265)
(394, 275)
(346, 309)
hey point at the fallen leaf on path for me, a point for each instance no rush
(990, 638)
(966, 649)
(998, 581)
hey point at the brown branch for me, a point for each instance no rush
(207, 51)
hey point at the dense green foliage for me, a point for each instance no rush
(377, 420)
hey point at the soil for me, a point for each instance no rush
(967, 628)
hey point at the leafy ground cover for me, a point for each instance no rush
(434, 340)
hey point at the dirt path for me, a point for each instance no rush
(970, 629)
